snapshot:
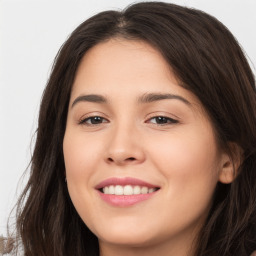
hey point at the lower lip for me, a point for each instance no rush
(125, 200)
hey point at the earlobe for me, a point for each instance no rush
(230, 164)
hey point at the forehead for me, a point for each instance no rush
(120, 67)
(124, 62)
(125, 57)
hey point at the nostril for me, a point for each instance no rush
(120, 159)
(130, 159)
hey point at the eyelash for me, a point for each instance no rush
(166, 120)
(159, 120)
(84, 121)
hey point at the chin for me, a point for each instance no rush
(125, 236)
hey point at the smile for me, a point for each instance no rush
(125, 191)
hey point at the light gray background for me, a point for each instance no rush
(31, 33)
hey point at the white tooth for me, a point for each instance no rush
(151, 190)
(128, 190)
(111, 190)
(136, 190)
(119, 190)
(144, 190)
(105, 190)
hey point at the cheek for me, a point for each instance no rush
(189, 161)
(190, 169)
(77, 158)
(79, 169)
(80, 154)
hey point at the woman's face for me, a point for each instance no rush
(140, 153)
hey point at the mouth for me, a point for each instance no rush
(125, 191)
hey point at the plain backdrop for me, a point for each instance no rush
(31, 32)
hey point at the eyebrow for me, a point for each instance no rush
(145, 98)
(89, 98)
(151, 97)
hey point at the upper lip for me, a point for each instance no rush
(124, 181)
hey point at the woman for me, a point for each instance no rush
(146, 140)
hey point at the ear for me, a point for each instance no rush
(230, 163)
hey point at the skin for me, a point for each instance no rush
(181, 157)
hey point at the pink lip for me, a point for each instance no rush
(124, 200)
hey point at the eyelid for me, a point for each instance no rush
(82, 119)
(171, 117)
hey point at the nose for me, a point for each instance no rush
(125, 147)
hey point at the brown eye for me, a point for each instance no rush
(162, 120)
(93, 120)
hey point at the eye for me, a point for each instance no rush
(93, 120)
(162, 120)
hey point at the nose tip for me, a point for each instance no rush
(124, 147)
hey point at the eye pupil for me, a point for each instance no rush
(161, 120)
(96, 120)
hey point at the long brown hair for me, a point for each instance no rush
(208, 61)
